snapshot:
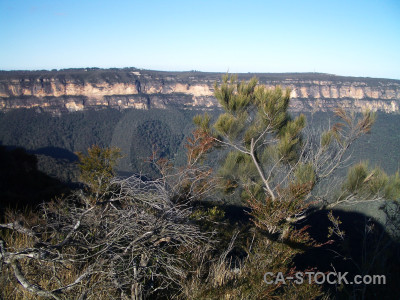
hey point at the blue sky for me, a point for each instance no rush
(355, 38)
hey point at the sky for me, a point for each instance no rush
(350, 38)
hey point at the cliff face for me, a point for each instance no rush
(78, 89)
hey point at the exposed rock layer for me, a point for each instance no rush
(78, 89)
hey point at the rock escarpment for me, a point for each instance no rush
(79, 89)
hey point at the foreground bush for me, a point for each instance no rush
(124, 238)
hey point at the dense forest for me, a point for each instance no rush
(55, 139)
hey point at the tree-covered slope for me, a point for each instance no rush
(140, 132)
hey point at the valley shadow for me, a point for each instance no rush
(57, 153)
(359, 245)
(22, 185)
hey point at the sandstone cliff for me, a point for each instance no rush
(78, 89)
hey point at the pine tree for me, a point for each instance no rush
(275, 168)
(265, 144)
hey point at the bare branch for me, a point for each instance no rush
(33, 288)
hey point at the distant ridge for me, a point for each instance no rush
(66, 90)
